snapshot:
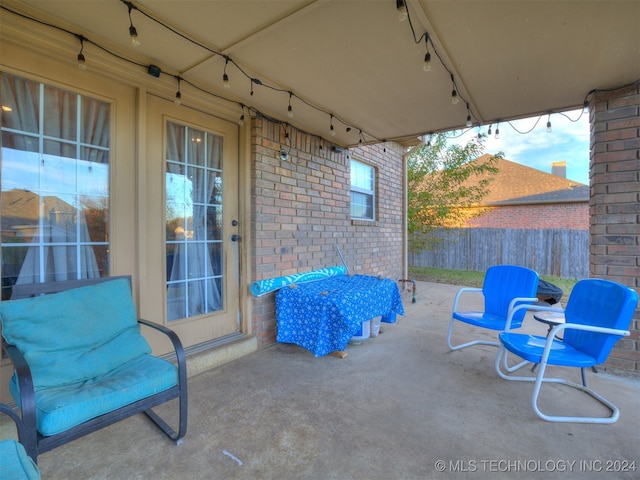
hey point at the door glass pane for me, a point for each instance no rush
(193, 208)
(54, 181)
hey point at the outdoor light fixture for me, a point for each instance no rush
(401, 6)
(497, 131)
(468, 124)
(133, 33)
(290, 108)
(549, 123)
(178, 99)
(332, 130)
(426, 66)
(225, 77)
(454, 93)
(81, 63)
(241, 121)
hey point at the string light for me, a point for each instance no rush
(332, 130)
(157, 72)
(549, 123)
(178, 99)
(401, 6)
(133, 33)
(497, 130)
(290, 108)
(468, 124)
(489, 131)
(82, 65)
(454, 93)
(426, 66)
(225, 77)
(241, 121)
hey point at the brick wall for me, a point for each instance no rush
(569, 216)
(615, 205)
(301, 212)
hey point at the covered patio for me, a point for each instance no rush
(399, 406)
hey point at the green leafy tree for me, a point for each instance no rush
(445, 182)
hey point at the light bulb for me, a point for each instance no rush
(81, 63)
(225, 81)
(332, 131)
(426, 66)
(468, 124)
(289, 112)
(548, 126)
(133, 33)
(241, 121)
(178, 99)
(497, 133)
(402, 10)
(454, 97)
(489, 131)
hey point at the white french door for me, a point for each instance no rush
(190, 216)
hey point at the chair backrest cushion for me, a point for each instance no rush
(503, 283)
(601, 303)
(74, 335)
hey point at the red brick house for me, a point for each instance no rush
(527, 198)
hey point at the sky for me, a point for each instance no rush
(567, 141)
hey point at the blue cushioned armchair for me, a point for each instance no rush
(81, 362)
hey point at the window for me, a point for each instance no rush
(193, 222)
(363, 197)
(55, 184)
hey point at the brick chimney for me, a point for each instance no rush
(559, 169)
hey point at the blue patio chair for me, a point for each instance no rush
(504, 287)
(598, 314)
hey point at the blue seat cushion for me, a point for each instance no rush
(16, 464)
(482, 319)
(531, 347)
(60, 408)
(75, 335)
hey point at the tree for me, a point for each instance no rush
(444, 181)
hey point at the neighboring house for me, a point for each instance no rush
(524, 197)
(529, 217)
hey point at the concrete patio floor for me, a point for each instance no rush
(399, 406)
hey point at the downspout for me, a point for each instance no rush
(405, 273)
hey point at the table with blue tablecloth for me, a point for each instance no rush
(322, 316)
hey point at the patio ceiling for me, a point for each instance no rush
(355, 60)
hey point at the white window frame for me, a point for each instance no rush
(358, 188)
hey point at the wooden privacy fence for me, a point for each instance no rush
(561, 253)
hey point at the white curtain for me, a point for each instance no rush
(57, 252)
(195, 291)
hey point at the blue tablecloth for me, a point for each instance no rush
(322, 316)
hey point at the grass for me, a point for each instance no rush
(475, 279)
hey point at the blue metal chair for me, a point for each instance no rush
(598, 314)
(504, 288)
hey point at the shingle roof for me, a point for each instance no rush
(519, 184)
